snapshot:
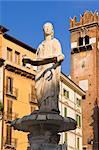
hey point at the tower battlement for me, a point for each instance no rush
(88, 17)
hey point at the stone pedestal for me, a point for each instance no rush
(44, 128)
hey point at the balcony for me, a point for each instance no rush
(13, 92)
(10, 144)
(81, 48)
(32, 98)
(10, 116)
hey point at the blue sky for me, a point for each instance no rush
(25, 19)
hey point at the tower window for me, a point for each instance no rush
(80, 41)
(83, 40)
(86, 39)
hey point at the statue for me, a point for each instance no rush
(48, 75)
(45, 124)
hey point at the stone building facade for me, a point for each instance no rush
(85, 72)
(17, 89)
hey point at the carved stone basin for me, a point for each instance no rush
(48, 120)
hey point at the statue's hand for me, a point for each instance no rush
(60, 58)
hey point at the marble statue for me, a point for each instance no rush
(45, 124)
(48, 76)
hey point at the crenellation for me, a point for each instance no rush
(81, 19)
(95, 16)
(74, 20)
(71, 22)
(87, 18)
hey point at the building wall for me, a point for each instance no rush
(21, 106)
(72, 110)
(84, 69)
(15, 47)
(17, 104)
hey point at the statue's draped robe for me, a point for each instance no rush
(48, 77)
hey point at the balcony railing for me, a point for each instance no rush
(9, 143)
(10, 116)
(13, 92)
(81, 48)
(32, 98)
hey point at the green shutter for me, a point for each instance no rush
(65, 140)
(65, 112)
(78, 144)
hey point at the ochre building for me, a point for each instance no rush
(17, 89)
(85, 72)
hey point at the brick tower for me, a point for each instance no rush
(85, 72)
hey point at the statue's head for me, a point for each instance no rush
(48, 29)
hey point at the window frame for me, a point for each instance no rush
(65, 111)
(9, 54)
(17, 58)
(9, 84)
(78, 143)
(66, 93)
(78, 119)
(78, 102)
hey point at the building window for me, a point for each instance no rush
(9, 106)
(78, 143)
(66, 93)
(83, 40)
(65, 137)
(78, 102)
(80, 41)
(9, 54)
(65, 112)
(86, 39)
(8, 134)
(9, 117)
(17, 57)
(78, 119)
(9, 85)
(32, 95)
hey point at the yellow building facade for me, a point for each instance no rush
(17, 89)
